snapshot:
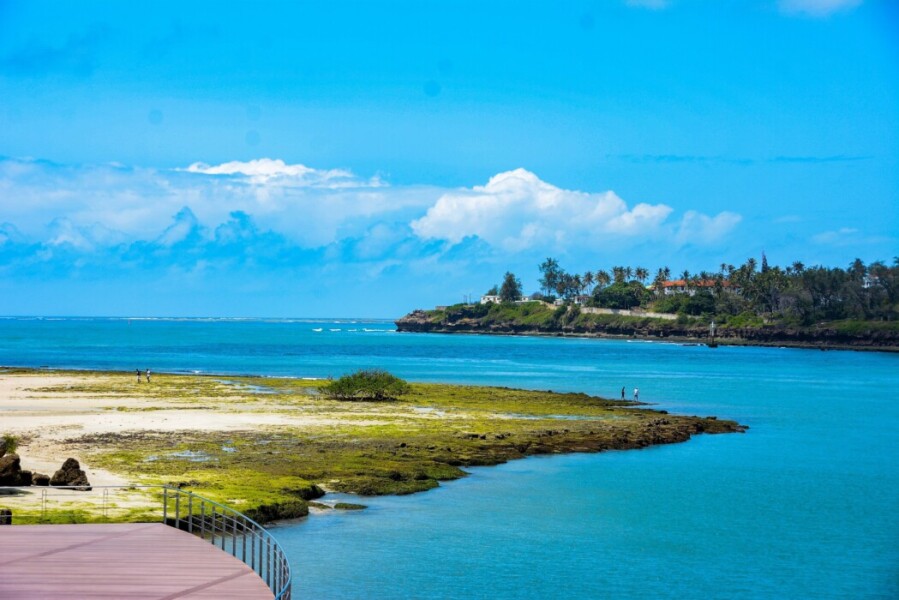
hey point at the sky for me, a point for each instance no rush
(363, 159)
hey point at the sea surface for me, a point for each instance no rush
(804, 505)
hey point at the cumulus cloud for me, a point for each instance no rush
(517, 210)
(241, 216)
(816, 8)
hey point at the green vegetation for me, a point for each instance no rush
(856, 307)
(368, 384)
(8, 444)
(510, 291)
(794, 295)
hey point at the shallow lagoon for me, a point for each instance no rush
(803, 505)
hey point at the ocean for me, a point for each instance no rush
(803, 505)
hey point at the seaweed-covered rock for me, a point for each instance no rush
(71, 475)
(311, 492)
(267, 513)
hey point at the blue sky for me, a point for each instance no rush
(364, 159)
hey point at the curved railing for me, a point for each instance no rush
(233, 532)
(224, 527)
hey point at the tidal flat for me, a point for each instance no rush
(268, 446)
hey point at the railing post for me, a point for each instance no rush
(177, 509)
(243, 546)
(212, 527)
(270, 573)
(190, 512)
(234, 537)
(165, 505)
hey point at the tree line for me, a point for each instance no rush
(793, 293)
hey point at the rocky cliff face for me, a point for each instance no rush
(819, 337)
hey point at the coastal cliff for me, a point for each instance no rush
(538, 319)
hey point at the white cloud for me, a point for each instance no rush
(516, 210)
(816, 8)
(699, 229)
(89, 207)
(839, 237)
(267, 170)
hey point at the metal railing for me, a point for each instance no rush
(228, 529)
(233, 532)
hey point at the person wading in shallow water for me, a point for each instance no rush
(636, 393)
(622, 392)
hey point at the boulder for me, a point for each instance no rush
(10, 469)
(40, 479)
(25, 477)
(70, 474)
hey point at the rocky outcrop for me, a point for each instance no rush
(40, 479)
(70, 474)
(11, 472)
(821, 336)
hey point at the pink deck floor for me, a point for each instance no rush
(135, 560)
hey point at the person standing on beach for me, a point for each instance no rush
(148, 376)
(636, 394)
(622, 392)
(138, 374)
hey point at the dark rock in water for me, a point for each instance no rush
(11, 472)
(349, 506)
(25, 477)
(70, 474)
(40, 479)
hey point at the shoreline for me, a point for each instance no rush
(406, 325)
(269, 446)
(675, 340)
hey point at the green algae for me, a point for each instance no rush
(364, 447)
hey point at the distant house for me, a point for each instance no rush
(680, 286)
(491, 299)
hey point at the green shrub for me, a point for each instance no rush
(8, 444)
(368, 384)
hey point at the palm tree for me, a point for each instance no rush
(588, 280)
(659, 282)
(798, 267)
(641, 274)
(602, 278)
(628, 273)
(618, 274)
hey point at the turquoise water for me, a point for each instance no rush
(804, 505)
